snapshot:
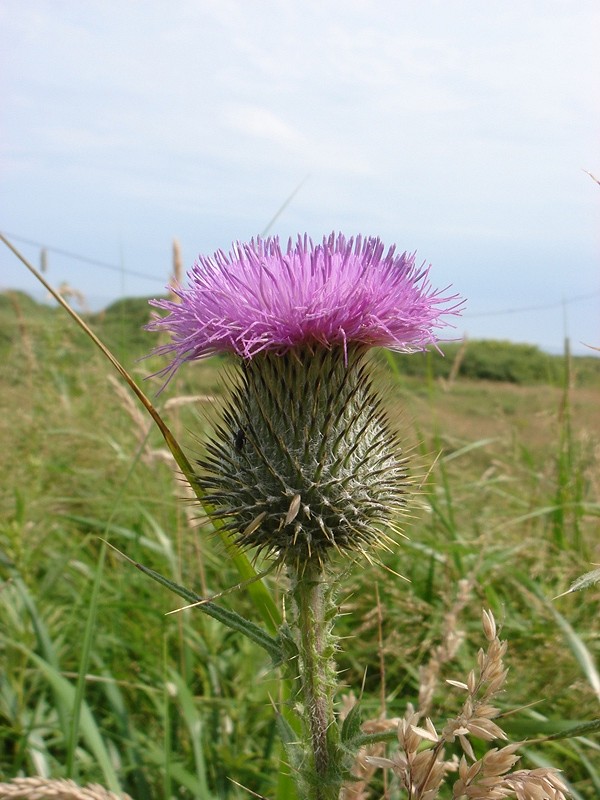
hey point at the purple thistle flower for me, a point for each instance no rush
(261, 298)
(304, 462)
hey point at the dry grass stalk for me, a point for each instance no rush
(69, 292)
(593, 177)
(177, 277)
(152, 455)
(24, 337)
(458, 359)
(187, 399)
(420, 763)
(140, 420)
(48, 789)
(137, 415)
(429, 674)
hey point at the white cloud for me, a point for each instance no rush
(264, 124)
(461, 124)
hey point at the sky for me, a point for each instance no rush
(458, 129)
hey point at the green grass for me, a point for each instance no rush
(178, 705)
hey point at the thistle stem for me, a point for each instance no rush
(315, 610)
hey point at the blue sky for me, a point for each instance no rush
(456, 129)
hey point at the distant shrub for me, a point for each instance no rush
(121, 325)
(12, 298)
(511, 363)
(498, 361)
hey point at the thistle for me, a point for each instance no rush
(304, 463)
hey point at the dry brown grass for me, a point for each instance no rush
(420, 763)
(474, 410)
(47, 789)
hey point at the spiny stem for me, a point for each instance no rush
(310, 613)
(311, 593)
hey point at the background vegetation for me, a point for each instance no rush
(504, 448)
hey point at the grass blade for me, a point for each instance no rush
(194, 725)
(225, 616)
(84, 665)
(580, 651)
(65, 695)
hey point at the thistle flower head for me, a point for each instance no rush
(304, 461)
(263, 298)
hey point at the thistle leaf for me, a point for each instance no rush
(351, 724)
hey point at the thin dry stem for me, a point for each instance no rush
(177, 277)
(152, 455)
(453, 637)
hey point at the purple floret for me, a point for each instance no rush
(343, 291)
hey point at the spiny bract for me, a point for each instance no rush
(304, 462)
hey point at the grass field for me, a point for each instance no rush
(505, 516)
